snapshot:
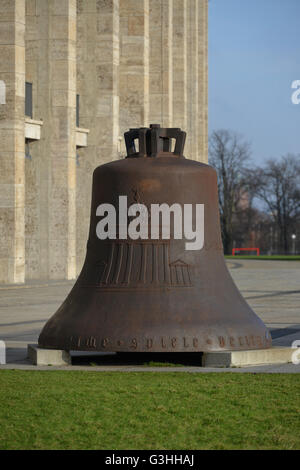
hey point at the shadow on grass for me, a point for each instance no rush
(138, 359)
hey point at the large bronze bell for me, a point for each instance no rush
(153, 294)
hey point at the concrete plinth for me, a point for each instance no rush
(46, 357)
(275, 355)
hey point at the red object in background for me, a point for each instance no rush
(245, 249)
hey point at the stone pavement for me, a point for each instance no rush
(272, 288)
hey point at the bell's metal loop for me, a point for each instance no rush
(154, 141)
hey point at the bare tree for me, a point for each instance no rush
(277, 184)
(228, 154)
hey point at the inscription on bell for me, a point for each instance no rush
(164, 343)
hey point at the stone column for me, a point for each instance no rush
(180, 64)
(196, 145)
(203, 81)
(37, 165)
(107, 79)
(12, 141)
(192, 80)
(87, 63)
(98, 87)
(134, 64)
(161, 60)
(62, 188)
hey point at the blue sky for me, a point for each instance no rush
(254, 56)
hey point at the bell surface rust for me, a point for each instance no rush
(155, 295)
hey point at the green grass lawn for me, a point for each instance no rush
(148, 410)
(266, 257)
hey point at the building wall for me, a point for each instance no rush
(132, 62)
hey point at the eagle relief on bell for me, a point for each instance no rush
(154, 278)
